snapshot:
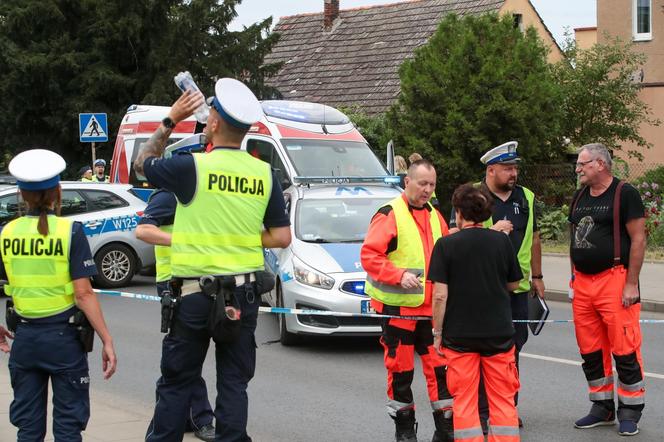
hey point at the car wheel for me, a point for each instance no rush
(287, 338)
(116, 265)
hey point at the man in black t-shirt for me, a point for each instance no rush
(605, 290)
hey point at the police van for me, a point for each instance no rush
(296, 138)
(321, 269)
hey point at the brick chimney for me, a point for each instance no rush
(330, 13)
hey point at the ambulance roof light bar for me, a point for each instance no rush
(385, 179)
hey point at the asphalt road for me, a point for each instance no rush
(334, 389)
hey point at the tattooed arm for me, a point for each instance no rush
(154, 147)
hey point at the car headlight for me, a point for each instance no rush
(306, 275)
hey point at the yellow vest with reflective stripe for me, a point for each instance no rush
(37, 266)
(525, 251)
(219, 231)
(409, 255)
(162, 255)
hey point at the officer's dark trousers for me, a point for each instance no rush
(181, 366)
(200, 412)
(49, 349)
(519, 311)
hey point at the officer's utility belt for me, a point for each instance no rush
(190, 287)
(84, 330)
(223, 323)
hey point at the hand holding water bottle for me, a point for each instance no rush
(185, 82)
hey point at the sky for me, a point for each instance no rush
(557, 14)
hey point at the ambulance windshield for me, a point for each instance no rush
(332, 158)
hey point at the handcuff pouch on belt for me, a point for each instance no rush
(84, 330)
(169, 301)
(264, 282)
(224, 318)
(11, 317)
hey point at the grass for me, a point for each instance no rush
(562, 247)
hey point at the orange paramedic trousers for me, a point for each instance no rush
(401, 338)
(502, 383)
(604, 327)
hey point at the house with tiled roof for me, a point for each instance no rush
(352, 56)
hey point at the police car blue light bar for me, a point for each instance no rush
(386, 179)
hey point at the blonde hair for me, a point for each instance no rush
(400, 165)
(414, 157)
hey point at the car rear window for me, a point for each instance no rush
(102, 200)
(72, 203)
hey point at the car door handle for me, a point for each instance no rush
(93, 224)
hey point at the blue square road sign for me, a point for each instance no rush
(92, 128)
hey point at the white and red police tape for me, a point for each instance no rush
(296, 311)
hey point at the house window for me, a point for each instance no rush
(642, 18)
(518, 21)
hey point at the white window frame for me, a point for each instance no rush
(642, 36)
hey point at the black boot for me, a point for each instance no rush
(444, 426)
(406, 425)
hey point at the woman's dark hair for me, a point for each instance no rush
(474, 203)
(41, 200)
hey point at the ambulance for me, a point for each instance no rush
(296, 138)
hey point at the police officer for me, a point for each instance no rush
(47, 262)
(225, 197)
(85, 173)
(513, 214)
(155, 227)
(100, 167)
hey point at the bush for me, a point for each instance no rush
(552, 222)
(651, 194)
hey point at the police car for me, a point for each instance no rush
(321, 268)
(109, 214)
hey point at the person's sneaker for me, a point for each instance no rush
(628, 428)
(591, 421)
(206, 433)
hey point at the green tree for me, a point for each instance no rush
(601, 94)
(374, 129)
(59, 58)
(477, 83)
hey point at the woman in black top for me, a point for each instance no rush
(473, 271)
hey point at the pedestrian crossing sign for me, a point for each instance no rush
(92, 128)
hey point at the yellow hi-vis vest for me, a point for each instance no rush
(37, 266)
(525, 251)
(219, 231)
(162, 255)
(408, 255)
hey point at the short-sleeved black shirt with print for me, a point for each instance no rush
(591, 245)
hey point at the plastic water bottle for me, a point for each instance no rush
(185, 82)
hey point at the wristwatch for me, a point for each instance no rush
(436, 332)
(168, 123)
(540, 276)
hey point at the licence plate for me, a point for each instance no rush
(365, 306)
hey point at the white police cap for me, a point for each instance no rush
(503, 154)
(236, 104)
(37, 169)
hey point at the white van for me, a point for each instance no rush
(295, 137)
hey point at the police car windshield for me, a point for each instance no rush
(332, 158)
(335, 220)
